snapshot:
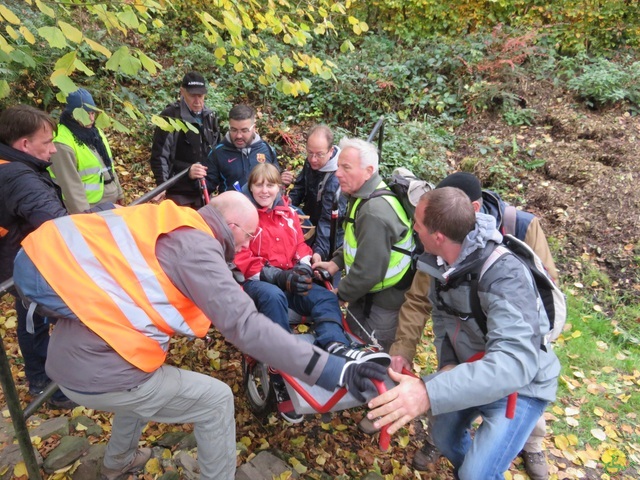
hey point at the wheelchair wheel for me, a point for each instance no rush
(258, 387)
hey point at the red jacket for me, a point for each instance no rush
(280, 244)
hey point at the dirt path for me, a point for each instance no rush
(587, 192)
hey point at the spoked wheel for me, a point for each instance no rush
(258, 387)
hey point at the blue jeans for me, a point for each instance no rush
(497, 441)
(320, 304)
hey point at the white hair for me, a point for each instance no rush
(367, 151)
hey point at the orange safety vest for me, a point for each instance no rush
(104, 267)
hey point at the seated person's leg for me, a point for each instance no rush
(323, 308)
(270, 301)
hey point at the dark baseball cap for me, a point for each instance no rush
(193, 82)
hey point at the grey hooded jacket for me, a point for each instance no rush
(516, 322)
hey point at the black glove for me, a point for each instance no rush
(357, 378)
(287, 280)
(303, 269)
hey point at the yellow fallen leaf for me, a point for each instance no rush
(607, 369)
(153, 467)
(602, 345)
(80, 427)
(404, 441)
(597, 308)
(246, 441)
(20, 470)
(598, 411)
(614, 460)
(573, 439)
(599, 434)
(561, 442)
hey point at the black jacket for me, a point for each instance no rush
(172, 152)
(315, 191)
(28, 198)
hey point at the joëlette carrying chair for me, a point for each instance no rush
(304, 398)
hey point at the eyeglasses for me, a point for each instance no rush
(316, 155)
(251, 236)
(244, 131)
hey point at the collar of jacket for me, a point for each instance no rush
(187, 115)
(221, 230)
(332, 164)
(13, 155)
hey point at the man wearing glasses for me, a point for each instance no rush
(315, 190)
(229, 164)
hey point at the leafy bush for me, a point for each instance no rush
(420, 146)
(603, 82)
(517, 117)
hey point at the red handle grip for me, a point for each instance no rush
(385, 438)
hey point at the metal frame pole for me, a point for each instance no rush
(13, 404)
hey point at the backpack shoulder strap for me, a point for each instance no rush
(476, 308)
(322, 184)
(509, 220)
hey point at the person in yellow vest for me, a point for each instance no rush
(123, 282)
(378, 240)
(83, 163)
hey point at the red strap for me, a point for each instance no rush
(511, 399)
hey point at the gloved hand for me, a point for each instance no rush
(287, 280)
(303, 269)
(357, 378)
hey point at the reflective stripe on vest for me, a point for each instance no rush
(91, 170)
(106, 271)
(399, 263)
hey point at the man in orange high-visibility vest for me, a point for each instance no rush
(127, 280)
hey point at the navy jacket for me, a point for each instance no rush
(314, 191)
(228, 164)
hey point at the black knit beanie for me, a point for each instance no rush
(467, 182)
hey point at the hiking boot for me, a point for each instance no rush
(62, 403)
(140, 458)
(36, 389)
(285, 405)
(361, 353)
(426, 457)
(535, 464)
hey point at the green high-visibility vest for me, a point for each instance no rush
(91, 170)
(399, 263)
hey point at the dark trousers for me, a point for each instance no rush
(34, 349)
